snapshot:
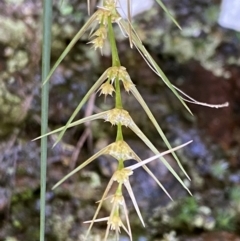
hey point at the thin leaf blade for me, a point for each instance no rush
(70, 45)
(161, 4)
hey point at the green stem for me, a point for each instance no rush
(118, 98)
(46, 52)
(120, 164)
(115, 61)
(119, 189)
(115, 57)
(119, 133)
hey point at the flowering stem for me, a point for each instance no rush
(120, 164)
(115, 62)
(115, 58)
(119, 133)
(119, 189)
(118, 99)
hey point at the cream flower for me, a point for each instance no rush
(114, 221)
(106, 89)
(120, 73)
(101, 35)
(120, 150)
(108, 10)
(118, 116)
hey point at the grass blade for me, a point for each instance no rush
(46, 52)
(150, 61)
(71, 44)
(138, 96)
(134, 201)
(154, 177)
(168, 13)
(142, 136)
(75, 123)
(99, 206)
(80, 105)
(88, 161)
(135, 166)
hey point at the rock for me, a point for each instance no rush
(213, 236)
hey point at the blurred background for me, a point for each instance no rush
(202, 60)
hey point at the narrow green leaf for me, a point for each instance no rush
(138, 96)
(165, 79)
(135, 204)
(100, 205)
(150, 61)
(139, 160)
(80, 105)
(71, 44)
(125, 211)
(142, 136)
(135, 166)
(168, 13)
(88, 161)
(160, 73)
(46, 52)
(75, 123)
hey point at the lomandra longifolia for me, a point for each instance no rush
(115, 79)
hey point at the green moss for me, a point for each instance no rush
(226, 219)
(61, 226)
(23, 196)
(12, 111)
(235, 194)
(185, 215)
(12, 32)
(235, 199)
(66, 8)
(219, 169)
(187, 209)
(211, 14)
(17, 224)
(17, 62)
